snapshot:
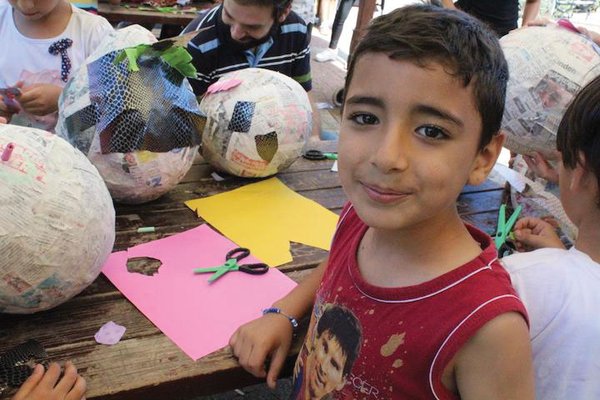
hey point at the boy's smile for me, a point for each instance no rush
(409, 142)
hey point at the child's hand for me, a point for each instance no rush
(40, 98)
(268, 336)
(6, 112)
(43, 385)
(541, 167)
(536, 234)
(595, 36)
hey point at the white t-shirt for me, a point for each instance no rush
(28, 60)
(561, 291)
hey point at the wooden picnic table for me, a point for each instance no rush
(143, 15)
(146, 365)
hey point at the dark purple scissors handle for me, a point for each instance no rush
(239, 254)
(254, 269)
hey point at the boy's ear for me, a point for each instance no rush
(486, 159)
(582, 177)
(285, 13)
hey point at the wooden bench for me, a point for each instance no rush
(146, 365)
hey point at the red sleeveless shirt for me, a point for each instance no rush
(398, 340)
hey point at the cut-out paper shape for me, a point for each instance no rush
(110, 333)
(196, 315)
(223, 85)
(265, 217)
(143, 265)
(241, 118)
(267, 145)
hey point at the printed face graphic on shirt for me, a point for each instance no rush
(324, 367)
(329, 352)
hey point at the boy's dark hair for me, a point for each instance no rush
(279, 6)
(579, 130)
(468, 50)
(344, 326)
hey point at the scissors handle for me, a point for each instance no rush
(319, 155)
(238, 254)
(254, 269)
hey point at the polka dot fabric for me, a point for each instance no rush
(60, 48)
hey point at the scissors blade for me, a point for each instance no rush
(218, 274)
(204, 270)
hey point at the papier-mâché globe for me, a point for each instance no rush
(547, 66)
(143, 174)
(258, 125)
(58, 222)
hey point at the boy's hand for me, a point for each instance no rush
(47, 386)
(254, 342)
(40, 98)
(536, 234)
(541, 167)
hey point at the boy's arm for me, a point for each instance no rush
(496, 363)
(530, 12)
(271, 334)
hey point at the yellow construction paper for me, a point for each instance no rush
(265, 217)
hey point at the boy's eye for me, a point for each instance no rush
(431, 132)
(364, 119)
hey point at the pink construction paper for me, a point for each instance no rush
(197, 316)
(223, 85)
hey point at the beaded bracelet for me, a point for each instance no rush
(275, 310)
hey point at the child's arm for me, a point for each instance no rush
(271, 334)
(535, 233)
(541, 167)
(497, 363)
(40, 98)
(47, 385)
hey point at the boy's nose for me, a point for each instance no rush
(237, 33)
(392, 150)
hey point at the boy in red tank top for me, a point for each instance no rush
(432, 312)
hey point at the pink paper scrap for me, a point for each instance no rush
(110, 333)
(223, 85)
(196, 315)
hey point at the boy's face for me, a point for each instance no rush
(34, 10)
(247, 23)
(324, 366)
(409, 143)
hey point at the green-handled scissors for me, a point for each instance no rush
(504, 227)
(231, 264)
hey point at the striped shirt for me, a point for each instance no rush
(287, 51)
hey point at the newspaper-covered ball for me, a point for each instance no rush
(547, 66)
(57, 221)
(133, 114)
(258, 122)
